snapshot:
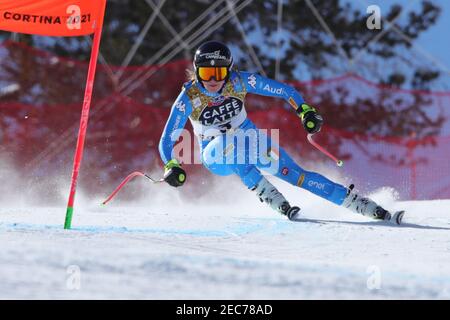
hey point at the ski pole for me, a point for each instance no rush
(339, 163)
(126, 180)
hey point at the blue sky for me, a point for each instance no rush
(436, 40)
(433, 45)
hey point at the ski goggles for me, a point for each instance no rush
(207, 73)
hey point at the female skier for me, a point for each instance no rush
(214, 103)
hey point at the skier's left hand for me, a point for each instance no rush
(312, 121)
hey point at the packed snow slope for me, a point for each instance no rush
(167, 247)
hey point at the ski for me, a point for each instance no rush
(392, 219)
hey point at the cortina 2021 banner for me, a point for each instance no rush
(50, 17)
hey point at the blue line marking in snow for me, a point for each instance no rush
(241, 228)
(105, 229)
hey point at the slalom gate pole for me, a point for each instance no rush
(126, 180)
(338, 162)
(84, 118)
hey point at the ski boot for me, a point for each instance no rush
(369, 208)
(269, 194)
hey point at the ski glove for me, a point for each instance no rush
(312, 121)
(174, 174)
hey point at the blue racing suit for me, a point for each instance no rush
(231, 144)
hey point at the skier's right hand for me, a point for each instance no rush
(174, 174)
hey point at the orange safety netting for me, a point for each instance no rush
(40, 117)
